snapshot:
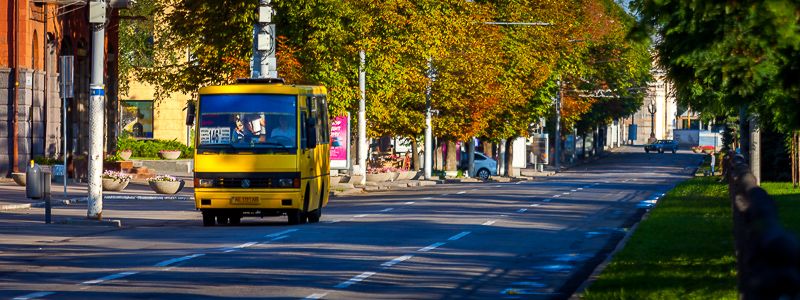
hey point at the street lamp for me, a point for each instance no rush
(651, 108)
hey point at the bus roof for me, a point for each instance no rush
(263, 88)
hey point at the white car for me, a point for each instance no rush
(485, 166)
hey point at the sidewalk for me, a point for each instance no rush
(12, 196)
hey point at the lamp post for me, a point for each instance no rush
(651, 108)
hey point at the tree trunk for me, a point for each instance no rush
(795, 158)
(509, 157)
(437, 154)
(415, 166)
(744, 133)
(451, 160)
(487, 148)
(755, 149)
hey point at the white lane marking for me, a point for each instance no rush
(279, 238)
(281, 233)
(245, 245)
(317, 296)
(575, 190)
(412, 202)
(445, 194)
(333, 221)
(34, 295)
(473, 189)
(354, 280)
(535, 205)
(387, 209)
(458, 236)
(580, 189)
(565, 193)
(431, 247)
(556, 196)
(396, 261)
(461, 192)
(522, 210)
(497, 186)
(487, 223)
(109, 278)
(519, 182)
(360, 216)
(177, 260)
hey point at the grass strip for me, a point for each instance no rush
(684, 249)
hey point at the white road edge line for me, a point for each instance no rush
(317, 296)
(177, 260)
(109, 278)
(281, 233)
(431, 247)
(458, 236)
(354, 280)
(34, 295)
(487, 223)
(396, 261)
(387, 209)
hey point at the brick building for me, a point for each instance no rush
(33, 34)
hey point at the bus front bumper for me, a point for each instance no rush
(277, 199)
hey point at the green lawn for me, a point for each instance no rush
(684, 249)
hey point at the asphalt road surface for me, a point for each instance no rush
(529, 240)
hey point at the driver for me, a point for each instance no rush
(283, 129)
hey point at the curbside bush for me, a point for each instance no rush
(150, 148)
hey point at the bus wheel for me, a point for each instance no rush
(222, 219)
(314, 216)
(296, 217)
(208, 219)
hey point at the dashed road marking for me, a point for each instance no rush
(556, 196)
(461, 192)
(354, 280)
(242, 246)
(34, 295)
(522, 210)
(488, 223)
(109, 278)
(396, 261)
(565, 193)
(285, 232)
(387, 209)
(412, 202)
(431, 247)
(279, 238)
(535, 205)
(317, 296)
(360, 216)
(575, 190)
(333, 221)
(497, 186)
(177, 260)
(580, 189)
(458, 236)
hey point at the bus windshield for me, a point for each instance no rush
(248, 122)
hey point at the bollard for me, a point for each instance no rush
(33, 181)
(46, 193)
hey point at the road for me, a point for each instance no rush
(528, 240)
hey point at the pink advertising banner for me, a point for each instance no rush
(340, 141)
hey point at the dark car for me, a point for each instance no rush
(662, 145)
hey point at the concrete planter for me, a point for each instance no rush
(335, 180)
(381, 177)
(125, 154)
(19, 178)
(406, 175)
(166, 187)
(112, 185)
(169, 154)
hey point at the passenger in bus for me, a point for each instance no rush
(283, 129)
(255, 125)
(238, 131)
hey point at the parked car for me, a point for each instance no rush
(485, 166)
(662, 145)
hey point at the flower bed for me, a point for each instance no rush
(708, 149)
(115, 181)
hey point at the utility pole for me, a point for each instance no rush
(428, 123)
(557, 158)
(97, 18)
(264, 63)
(362, 117)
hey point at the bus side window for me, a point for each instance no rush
(323, 121)
(303, 130)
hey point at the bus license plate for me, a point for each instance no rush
(244, 200)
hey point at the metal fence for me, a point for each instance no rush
(767, 256)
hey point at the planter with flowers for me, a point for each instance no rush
(169, 154)
(165, 184)
(115, 181)
(384, 174)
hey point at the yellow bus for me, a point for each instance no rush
(262, 149)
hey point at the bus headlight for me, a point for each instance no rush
(285, 183)
(203, 183)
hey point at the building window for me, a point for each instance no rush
(137, 118)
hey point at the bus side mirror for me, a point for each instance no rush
(190, 113)
(311, 133)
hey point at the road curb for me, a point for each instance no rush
(90, 222)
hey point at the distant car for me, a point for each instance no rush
(662, 145)
(484, 166)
